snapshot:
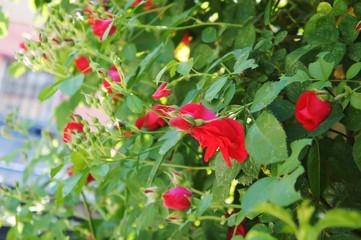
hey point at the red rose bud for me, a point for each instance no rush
(68, 40)
(152, 193)
(177, 217)
(82, 64)
(127, 134)
(165, 110)
(161, 92)
(177, 178)
(186, 38)
(311, 111)
(358, 27)
(100, 26)
(177, 198)
(56, 40)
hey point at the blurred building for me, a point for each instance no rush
(20, 94)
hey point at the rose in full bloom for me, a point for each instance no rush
(162, 92)
(225, 134)
(100, 26)
(113, 73)
(89, 179)
(153, 120)
(70, 129)
(177, 198)
(311, 111)
(239, 231)
(82, 64)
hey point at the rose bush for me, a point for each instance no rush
(193, 111)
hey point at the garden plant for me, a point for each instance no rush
(225, 119)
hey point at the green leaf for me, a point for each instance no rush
(226, 57)
(255, 235)
(215, 88)
(130, 51)
(354, 51)
(339, 7)
(314, 170)
(204, 204)
(55, 170)
(134, 104)
(209, 34)
(347, 28)
(17, 69)
(155, 167)
(266, 94)
(293, 58)
(280, 37)
(267, 12)
(47, 92)
(266, 134)
(282, 109)
(79, 159)
(171, 138)
(357, 151)
(4, 23)
(145, 218)
(148, 61)
(71, 86)
(356, 100)
(70, 58)
(224, 176)
(202, 54)
(337, 218)
(242, 63)
(59, 199)
(300, 76)
(185, 67)
(353, 70)
(321, 69)
(70, 183)
(277, 212)
(292, 162)
(100, 170)
(246, 37)
(278, 191)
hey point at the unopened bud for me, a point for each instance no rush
(323, 96)
(177, 217)
(152, 193)
(177, 178)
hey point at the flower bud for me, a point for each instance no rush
(323, 96)
(152, 193)
(199, 122)
(177, 178)
(177, 198)
(177, 217)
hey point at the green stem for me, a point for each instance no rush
(221, 219)
(89, 216)
(162, 164)
(198, 192)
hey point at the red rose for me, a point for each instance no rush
(89, 179)
(70, 129)
(161, 92)
(311, 111)
(239, 231)
(100, 26)
(177, 198)
(226, 134)
(153, 120)
(358, 27)
(116, 78)
(82, 64)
